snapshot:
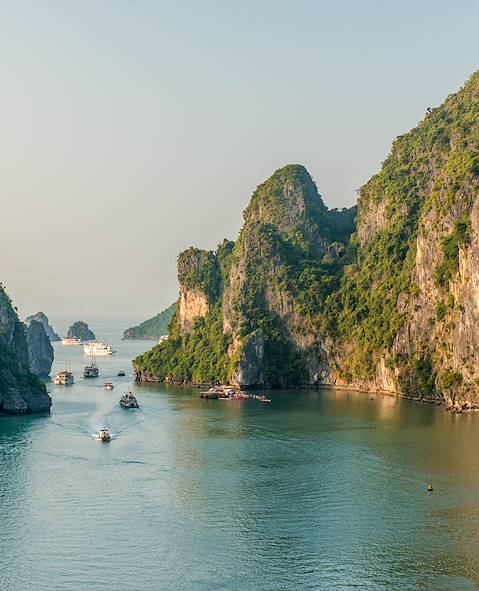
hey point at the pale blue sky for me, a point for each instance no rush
(132, 130)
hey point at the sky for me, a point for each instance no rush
(131, 130)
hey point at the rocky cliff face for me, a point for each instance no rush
(408, 306)
(20, 390)
(308, 296)
(40, 350)
(193, 304)
(40, 317)
(290, 246)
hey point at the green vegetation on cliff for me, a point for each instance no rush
(441, 152)
(199, 357)
(153, 328)
(451, 244)
(202, 355)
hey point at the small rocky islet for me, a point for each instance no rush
(378, 297)
(80, 330)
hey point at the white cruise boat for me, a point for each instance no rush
(97, 348)
(71, 341)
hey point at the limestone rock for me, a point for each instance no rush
(20, 390)
(41, 317)
(39, 348)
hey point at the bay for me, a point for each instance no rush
(318, 490)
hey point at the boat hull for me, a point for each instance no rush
(71, 342)
(63, 382)
(90, 374)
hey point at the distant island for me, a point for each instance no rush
(80, 330)
(382, 297)
(153, 328)
(41, 317)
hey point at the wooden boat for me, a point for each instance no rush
(91, 371)
(64, 378)
(129, 401)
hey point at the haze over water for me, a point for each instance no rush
(318, 490)
(126, 124)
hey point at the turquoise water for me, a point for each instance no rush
(318, 490)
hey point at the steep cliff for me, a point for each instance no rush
(40, 350)
(248, 312)
(40, 317)
(80, 330)
(407, 311)
(307, 295)
(20, 390)
(285, 264)
(153, 328)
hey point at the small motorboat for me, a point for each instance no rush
(237, 396)
(129, 401)
(108, 386)
(260, 398)
(104, 435)
(121, 374)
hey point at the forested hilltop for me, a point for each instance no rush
(383, 298)
(153, 328)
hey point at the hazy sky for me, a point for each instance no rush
(131, 130)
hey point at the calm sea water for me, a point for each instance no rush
(318, 490)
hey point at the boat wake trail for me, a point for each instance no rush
(116, 420)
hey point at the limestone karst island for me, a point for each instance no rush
(239, 296)
(378, 297)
